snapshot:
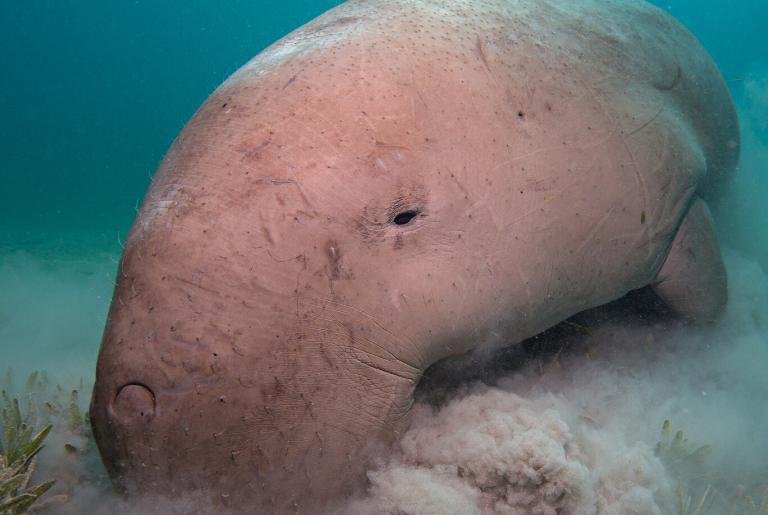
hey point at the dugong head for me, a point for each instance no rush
(382, 189)
(300, 258)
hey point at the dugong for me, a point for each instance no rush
(394, 183)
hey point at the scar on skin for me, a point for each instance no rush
(480, 52)
(274, 182)
(340, 22)
(333, 259)
(255, 152)
(291, 80)
(267, 235)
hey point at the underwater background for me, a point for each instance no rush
(92, 94)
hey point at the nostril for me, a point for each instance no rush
(134, 402)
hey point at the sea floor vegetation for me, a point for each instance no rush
(42, 423)
(20, 444)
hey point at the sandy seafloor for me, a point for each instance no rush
(570, 431)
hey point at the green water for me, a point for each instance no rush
(93, 93)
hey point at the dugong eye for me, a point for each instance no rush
(405, 217)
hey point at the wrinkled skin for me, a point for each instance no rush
(273, 311)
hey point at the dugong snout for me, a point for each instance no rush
(208, 385)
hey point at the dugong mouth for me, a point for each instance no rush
(277, 401)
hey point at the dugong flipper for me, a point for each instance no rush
(692, 281)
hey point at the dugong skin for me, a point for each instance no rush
(272, 317)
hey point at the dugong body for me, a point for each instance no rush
(397, 182)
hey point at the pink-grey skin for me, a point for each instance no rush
(397, 182)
